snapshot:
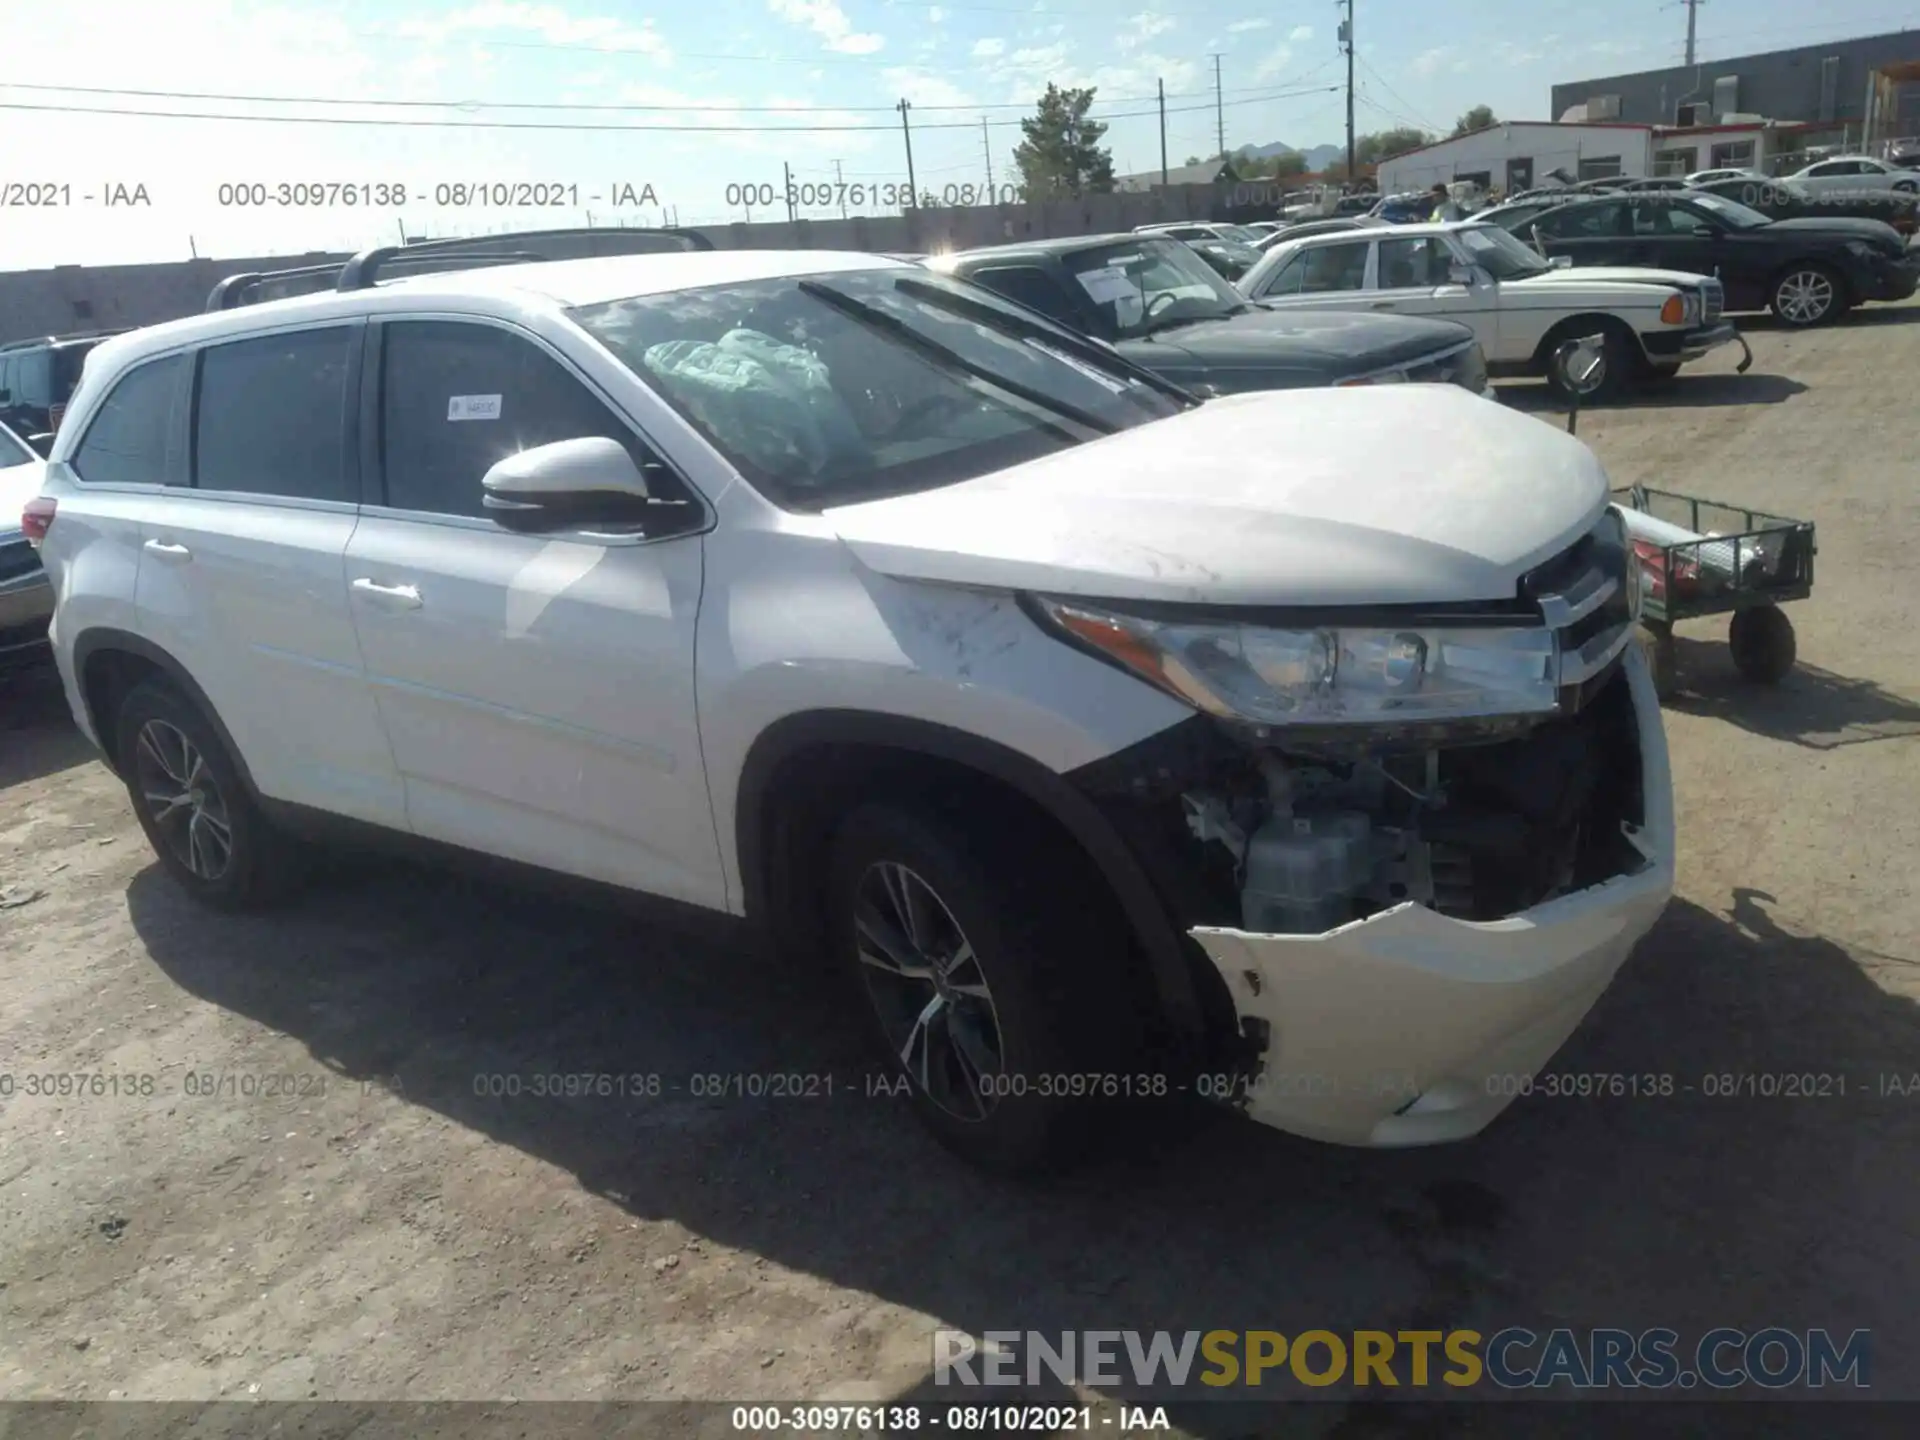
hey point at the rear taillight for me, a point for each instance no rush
(37, 518)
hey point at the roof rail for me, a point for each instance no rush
(61, 339)
(245, 289)
(457, 253)
(364, 269)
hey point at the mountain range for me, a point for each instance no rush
(1318, 157)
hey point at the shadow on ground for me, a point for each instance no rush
(1811, 707)
(1869, 314)
(37, 734)
(1690, 1209)
(1681, 392)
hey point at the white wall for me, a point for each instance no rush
(1765, 143)
(1547, 146)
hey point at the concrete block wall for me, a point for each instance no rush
(74, 297)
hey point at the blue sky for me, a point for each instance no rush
(736, 88)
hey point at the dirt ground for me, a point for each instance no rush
(387, 1232)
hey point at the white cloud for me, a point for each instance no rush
(1300, 34)
(1247, 27)
(935, 14)
(1429, 62)
(827, 20)
(923, 87)
(551, 24)
(1142, 28)
(990, 48)
(1275, 60)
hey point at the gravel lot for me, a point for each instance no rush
(384, 1232)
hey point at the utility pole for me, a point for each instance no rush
(1161, 86)
(906, 133)
(840, 184)
(986, 148)
(1693, 7)
(786, 171)
(1346, 44)
(1219, 111)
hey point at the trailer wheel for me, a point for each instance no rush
(1762, 643)
(1663, 659)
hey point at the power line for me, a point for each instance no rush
(568, 106)
(578, 127)
(1396, 97)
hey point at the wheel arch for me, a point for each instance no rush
(1841, 273)
(807, 761)
(107, 663)
(1585, 323)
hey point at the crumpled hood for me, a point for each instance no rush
(1325, 342)
(1375, 496)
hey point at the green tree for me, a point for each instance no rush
(1191, 160)
(1061, 157)
(1480, 117)
(1385, 144)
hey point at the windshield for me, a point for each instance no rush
(1729, 212)
(1148, 284)
(1241, 233)
(13, 451)
(1499, 254)
(851, 385)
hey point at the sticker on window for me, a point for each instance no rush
(1108, 285)
(473, 407)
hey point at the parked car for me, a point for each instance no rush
(1519, 305)
(1510, 215)
(1199, 230)
(1646, 183)
(1406, 209)
(26, 598)
(1734, 172)
(1229, 258)
(1303, 228)
(1790, 200)
(37, 377)
(837, 595)
(1148, 298)
(1807, 271)
(1845, 174)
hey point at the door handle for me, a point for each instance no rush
(167, 550)
(388, 597)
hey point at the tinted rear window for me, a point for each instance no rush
(138, 436)
(272, 416)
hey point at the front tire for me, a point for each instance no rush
(1807, 295)
(197, 813)
(983, 983)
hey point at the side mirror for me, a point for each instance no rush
(567, 485)
(1458, 274)
(1560, 262)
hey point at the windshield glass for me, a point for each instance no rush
(1151, 284)
(1499, 254)
(851, 385)
(1236, 232)
(13, 451)
(1729, 212)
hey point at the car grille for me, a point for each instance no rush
(1586, 596)
(17, 558)
(1713, 299)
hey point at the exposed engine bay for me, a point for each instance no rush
(1278, 834)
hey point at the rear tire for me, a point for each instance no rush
(1804, 296)
(1007, 984)
(196, 811)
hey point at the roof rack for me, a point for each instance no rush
(467, 252)
(101, 334)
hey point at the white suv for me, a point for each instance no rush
(1288, 749)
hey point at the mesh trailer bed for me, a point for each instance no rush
(1702, 557)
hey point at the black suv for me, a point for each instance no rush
(37, 379)
(1807, 271)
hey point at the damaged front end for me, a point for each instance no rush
(1414, 848)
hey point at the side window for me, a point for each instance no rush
(457, 398)
(1584, 222)
(33, 378)
(1032, 287)
(1413, 264)
(138, 436)
(1286, 280)
(1336, 267)
(271, 417)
